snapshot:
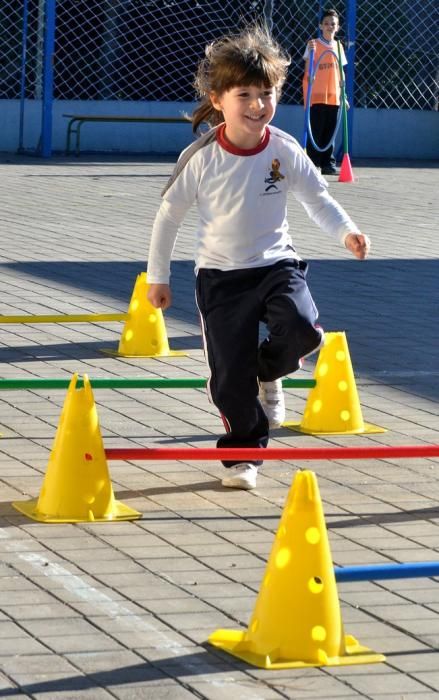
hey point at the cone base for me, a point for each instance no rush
(368, 428)
(234, 642)
(168, 353)
(120, 512)
(346, 174)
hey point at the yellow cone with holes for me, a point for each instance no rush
(296, 621)
(77, 486)
(333, 406)
(144, 333)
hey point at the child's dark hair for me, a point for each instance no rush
(329, 13)
(249, 58)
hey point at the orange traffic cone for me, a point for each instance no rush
(77, 487)
(346, 174)
(296, 621)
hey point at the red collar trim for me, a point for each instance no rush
(230, 148)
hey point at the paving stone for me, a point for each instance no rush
(124, 609)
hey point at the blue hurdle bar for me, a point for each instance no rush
(378, 572)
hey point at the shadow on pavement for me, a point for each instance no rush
(386, 307)
(196, 664)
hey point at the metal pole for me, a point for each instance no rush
(23, 77)
(48, 58)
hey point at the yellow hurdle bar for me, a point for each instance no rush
(65, 318)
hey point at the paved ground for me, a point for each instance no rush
(124, 609)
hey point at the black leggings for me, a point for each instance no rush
(231, 306)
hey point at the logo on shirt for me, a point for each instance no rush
(275, 176)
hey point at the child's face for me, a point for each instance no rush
(247, 110)
(329, 28)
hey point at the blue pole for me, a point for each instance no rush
(23, 77)
(350, 69)
(308, 97)
(379, 572)
(48, 57)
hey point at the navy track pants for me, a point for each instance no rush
(232, 304)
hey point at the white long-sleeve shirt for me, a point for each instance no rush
(241, 197)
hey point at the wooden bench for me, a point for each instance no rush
(77, 120)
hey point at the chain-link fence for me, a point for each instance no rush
(148, 49)
(397, 54)
(21, 41)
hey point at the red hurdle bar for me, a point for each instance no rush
(294, 453)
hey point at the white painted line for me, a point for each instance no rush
(120, 615)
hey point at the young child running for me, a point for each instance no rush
(326, 91)
(247, 270)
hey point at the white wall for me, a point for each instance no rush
(377, 133)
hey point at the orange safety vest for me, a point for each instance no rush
(326, 86)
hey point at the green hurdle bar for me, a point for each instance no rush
(133, 383)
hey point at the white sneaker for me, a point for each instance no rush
(272, 399)
(241, 476)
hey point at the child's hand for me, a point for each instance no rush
(160, 296)
(358, 244)
(312, 45)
